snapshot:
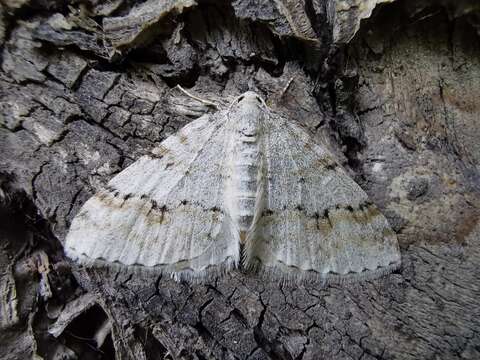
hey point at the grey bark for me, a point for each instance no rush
(88, 88)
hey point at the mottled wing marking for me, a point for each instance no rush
(165, 210)
(316, 220)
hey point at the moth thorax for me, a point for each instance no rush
(245, 178)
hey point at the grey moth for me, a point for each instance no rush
(241, 188)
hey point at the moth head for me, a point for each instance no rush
(250, 97)
(248, 109)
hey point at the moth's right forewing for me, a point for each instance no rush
(317, 222)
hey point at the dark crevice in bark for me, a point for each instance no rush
(153, 348)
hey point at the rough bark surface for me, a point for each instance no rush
(86, 87)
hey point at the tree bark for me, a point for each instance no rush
(87, 87)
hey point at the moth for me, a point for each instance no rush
(241, 188)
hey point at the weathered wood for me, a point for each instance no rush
(398, 106)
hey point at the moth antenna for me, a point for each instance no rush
(233, 102)
(286, 87)
(264, 103)
(203, 101)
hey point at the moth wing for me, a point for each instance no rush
(165, 210)
(316, 221)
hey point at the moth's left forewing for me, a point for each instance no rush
(164, 212)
